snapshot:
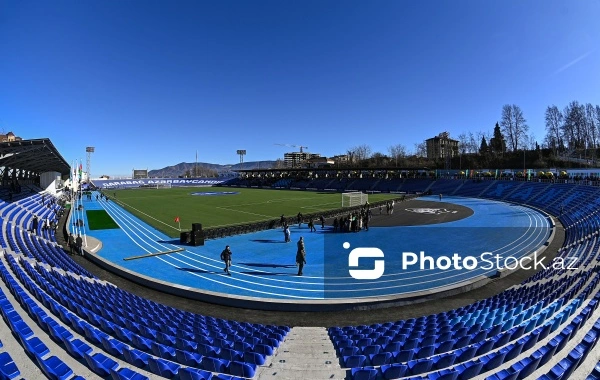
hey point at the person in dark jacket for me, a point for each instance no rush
(35, 224)
(226, 257)
(300, 256)
(79, 244)
(71, 243)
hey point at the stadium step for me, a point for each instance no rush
(429, 187)
(481, 194)
(306, 353)
(458, 188)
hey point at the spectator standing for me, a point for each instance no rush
(300, 256)
(226, 257)
(79, 244)
(71, 243)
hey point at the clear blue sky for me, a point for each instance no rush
(149, 83)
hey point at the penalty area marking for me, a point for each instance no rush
(154, 254)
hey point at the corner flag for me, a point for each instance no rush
(176, 219)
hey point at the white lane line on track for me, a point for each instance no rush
(219, 268)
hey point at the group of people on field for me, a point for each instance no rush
(300, 257)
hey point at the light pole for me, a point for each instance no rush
(242, 153)
(89, 150)
(524, 166)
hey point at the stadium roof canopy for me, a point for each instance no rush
(37, 156)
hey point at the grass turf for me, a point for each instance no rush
(100, 220)
(159, 207)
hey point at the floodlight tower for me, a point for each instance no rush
(242, 153)
(89, 150)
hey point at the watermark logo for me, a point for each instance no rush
(365, 274)
(486, 261)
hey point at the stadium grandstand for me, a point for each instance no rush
(94, 316)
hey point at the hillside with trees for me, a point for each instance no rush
(572, 140)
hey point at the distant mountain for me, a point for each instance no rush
(175, 171)
(252, 165)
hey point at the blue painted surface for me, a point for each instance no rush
(264, 266)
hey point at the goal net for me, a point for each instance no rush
(354, 199)
(163, 185)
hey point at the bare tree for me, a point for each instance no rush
(598, 121)
(379, 159)
(574, 125)
(463, 143)
(421, 149)
(397, 152)
(361, 152)
(554, 121)
(514, 126)
(473, 143)
(591, 125)
(531, 142)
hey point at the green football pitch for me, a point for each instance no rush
(160, 207)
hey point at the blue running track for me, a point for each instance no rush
(264, 266)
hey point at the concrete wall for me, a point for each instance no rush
(48, 181)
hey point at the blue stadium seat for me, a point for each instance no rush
(514, 351)
(126, 374)
(364, 374)
(349, 351)
(466, 354)
(393, 347)
(417, 367)
(469, 370)
(187, 373)
(163, 367)
(444, 346)
(255, 358)
(394, 371)
(77, 348)
(136, 357)
(35, 347)
(100, 363)
(493, 360)
(191, 359)
(8, 368)
(444, 375)
(444, 360)
(214, 365)
(371, 350)
(354, 361)
(243, 369)
(113, 346)
(526, 366)
(504, 374)
(381, 358)
(54, 368)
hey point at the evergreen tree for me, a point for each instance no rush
(483, 148)
(497, 143)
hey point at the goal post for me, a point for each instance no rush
(354, 199)
(163, 185)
